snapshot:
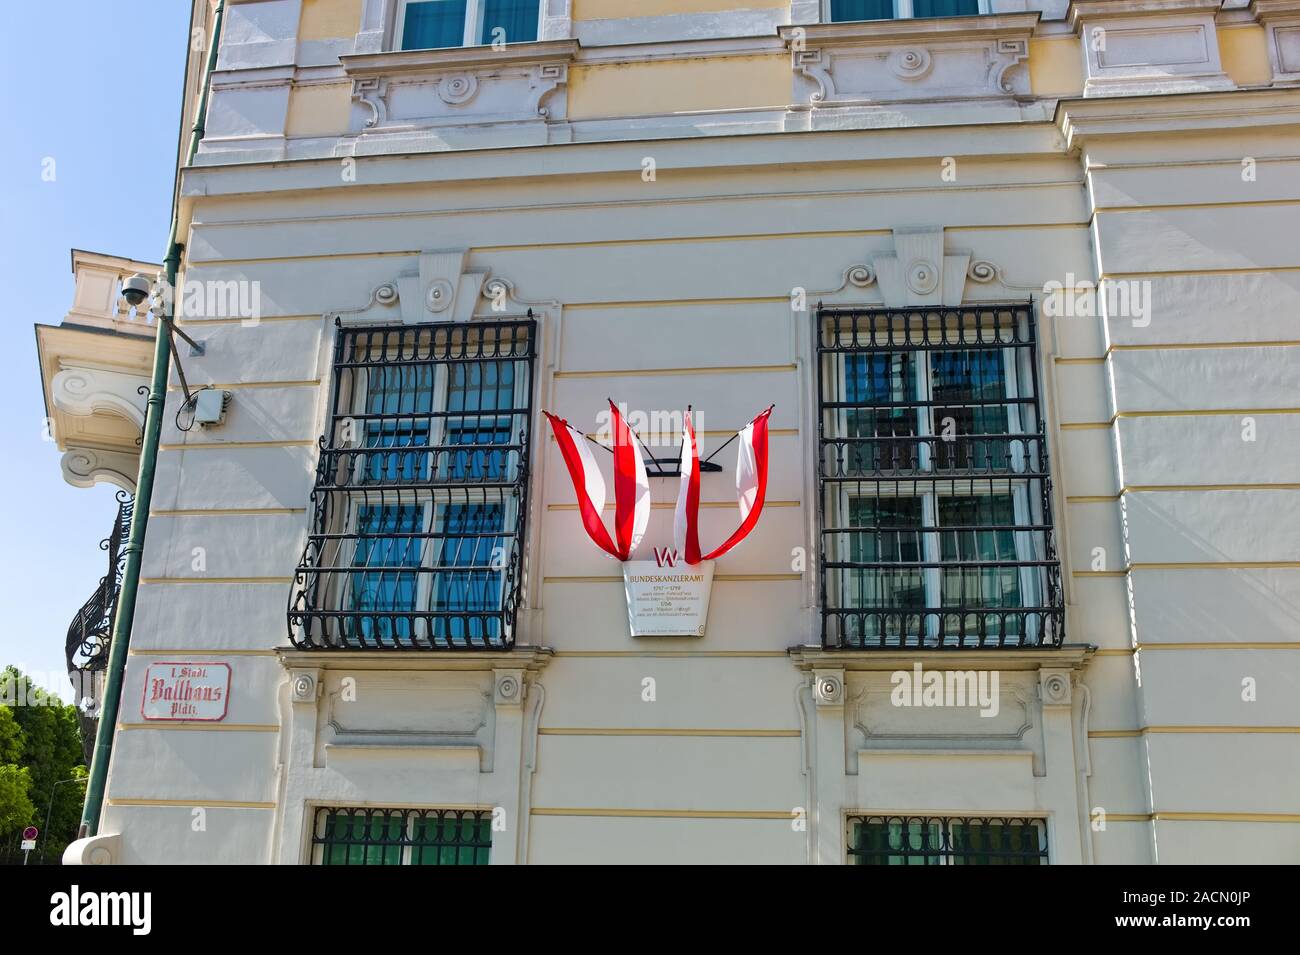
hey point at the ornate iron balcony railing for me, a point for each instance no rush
(90, 633)
(943, 840)
(934, 509)
(420, 503)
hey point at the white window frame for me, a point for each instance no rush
(902, 11)
(1025, 511)
(474, 10)
(432, 503)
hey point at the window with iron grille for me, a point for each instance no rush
(419, 507)
(935, 497)
(401, 836)
(941, 840)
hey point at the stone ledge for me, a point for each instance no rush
(1072, 656)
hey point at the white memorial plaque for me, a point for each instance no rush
(667, 601)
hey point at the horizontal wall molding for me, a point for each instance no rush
(688, 240)
(208, 727)
(191, 652)
(783, 814)
(229, 512)
(250, 322)
(1174, 489)
(1163, 816)
(1218, 204)
(218, 445)
(681, 302)
(217, 580)
(1160, 273)
(1175, 413)
(670, 505)
(1188, 346)
(238, 385)
(669, 654)
(731, 578)
(584, 205)
(665, 731)
(1193, 730)
(1266, 645)
(193, 803)
(667, 372)
(1192, 565)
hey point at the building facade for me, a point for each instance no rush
(1020, 279)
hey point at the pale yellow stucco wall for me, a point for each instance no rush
(318, 110)
(1056, 67)
(329, 19)
(610, 9)
(1244, 54)
(679, 86)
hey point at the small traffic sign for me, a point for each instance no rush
(31, 832)
(28, 845)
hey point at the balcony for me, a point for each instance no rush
(90, 634)
(95, 369)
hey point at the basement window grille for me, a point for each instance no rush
(418, 513)
(401, 836)
(941, 840)
(935, 496)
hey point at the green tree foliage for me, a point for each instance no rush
(16, 809)
(39, 746)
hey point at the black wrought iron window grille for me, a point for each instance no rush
(934, 508)
(419, 508)
(944, 840)
(351, 836)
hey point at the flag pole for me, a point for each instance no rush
(737, 434)
(658, 470)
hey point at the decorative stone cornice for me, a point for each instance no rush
(1136, 47)
(1281, 21)
(1081, 11)
(424, 99)
(871, 32)
(87, 391)
(1072, 656)
(402, 62)
(521, 659)
(86, 467)
(895, 61)
(1266, 11)
(443, 287)
(1083, 120)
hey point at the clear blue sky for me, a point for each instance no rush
(96, 86)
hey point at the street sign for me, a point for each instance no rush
(28, 845)
(31, 832)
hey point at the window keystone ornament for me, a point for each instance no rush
(439, 296)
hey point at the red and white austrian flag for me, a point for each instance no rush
(631, 486)
(751, 488)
